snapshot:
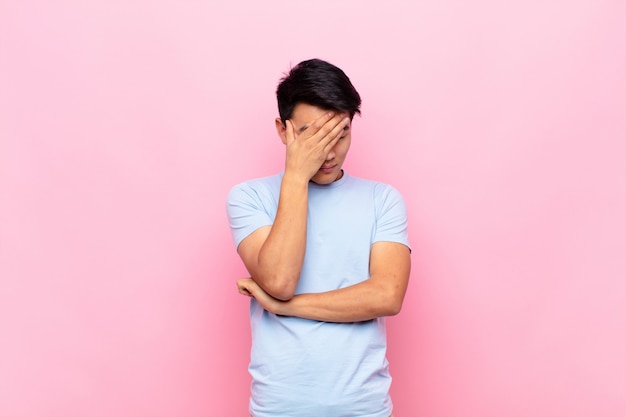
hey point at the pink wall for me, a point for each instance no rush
(124, 124)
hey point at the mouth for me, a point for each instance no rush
(327, 169)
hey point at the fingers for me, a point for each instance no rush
(243, 287)
(326, 127)
(335, 134)
(327, 136)
(309, 145)
(321, 122)
(244, 291)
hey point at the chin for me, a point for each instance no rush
(327, 178)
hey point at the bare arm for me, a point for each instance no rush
(380, 295)
(274, 254)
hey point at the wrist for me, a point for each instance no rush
(295, 179)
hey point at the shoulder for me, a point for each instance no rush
(380, 191)
(256, 187)
(387, 200)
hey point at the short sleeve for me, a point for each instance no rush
(246, 212)
(391, 216)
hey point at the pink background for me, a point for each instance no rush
(124, 124)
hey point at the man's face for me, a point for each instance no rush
(302, 117)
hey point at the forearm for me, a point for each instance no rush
(364, 301)
(281, 256)
(380, 295)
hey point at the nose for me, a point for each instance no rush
(331, 155)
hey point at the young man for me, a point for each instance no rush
(328, 256)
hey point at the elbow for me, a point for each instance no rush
(278, 282)
(282, 294)
(281, 286)
(281, 289)
(395, 309)
(392, 308)
(393, 304)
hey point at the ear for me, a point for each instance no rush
(281, 129)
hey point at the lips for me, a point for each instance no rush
(327, 169)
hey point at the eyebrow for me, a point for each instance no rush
(303, 128)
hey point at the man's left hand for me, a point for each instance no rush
(248, 287)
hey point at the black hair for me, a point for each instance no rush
(317, 83)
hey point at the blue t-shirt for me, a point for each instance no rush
(308, 368)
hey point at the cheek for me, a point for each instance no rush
(344, 145)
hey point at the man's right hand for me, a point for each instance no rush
(307, 150)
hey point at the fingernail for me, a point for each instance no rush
(331, 114)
